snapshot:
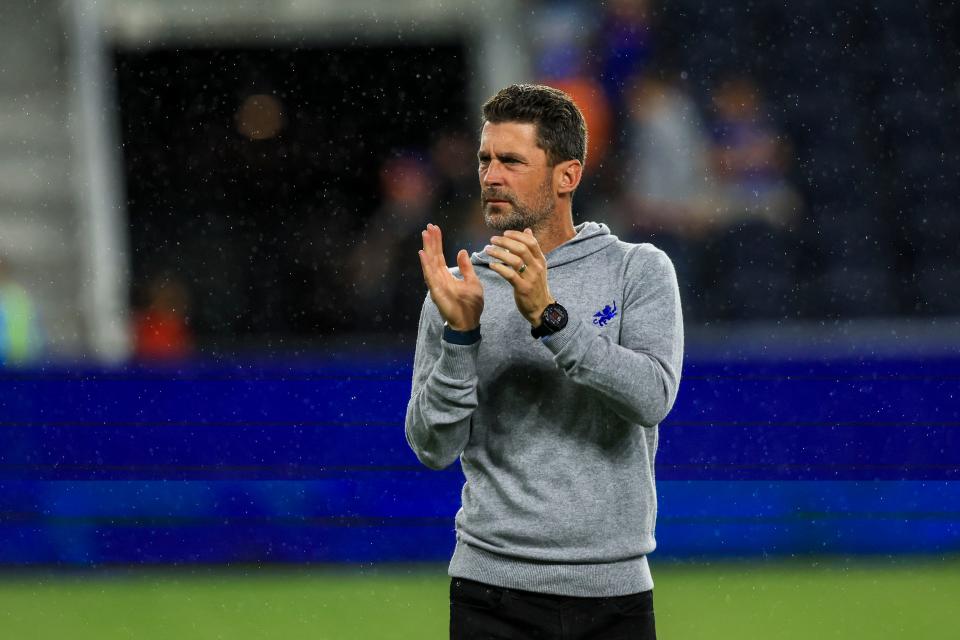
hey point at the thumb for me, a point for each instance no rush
(466, 268)
(528, 231)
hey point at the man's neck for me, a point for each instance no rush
(555, 231)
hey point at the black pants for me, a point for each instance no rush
(480, 610)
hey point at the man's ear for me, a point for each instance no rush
(568, 176)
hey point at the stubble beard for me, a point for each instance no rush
(519, 216)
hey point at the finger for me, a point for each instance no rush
(429, 243)
(526, 238)
(427, 269)
(506, 256)
(518, 248)
(507, 273)
(436, 246)
(427, 258)
(435, 262)
(439, 240)
(436, 238)
(427, 236)
(528, 231)
(466, 268)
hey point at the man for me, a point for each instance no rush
(21, 340)
(545, 363)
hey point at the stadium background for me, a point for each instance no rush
(253, 172)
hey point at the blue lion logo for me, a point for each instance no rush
(605, 315)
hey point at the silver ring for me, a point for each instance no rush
(523, 267)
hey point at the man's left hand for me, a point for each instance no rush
(525, 269)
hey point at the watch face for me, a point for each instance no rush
(555, 317)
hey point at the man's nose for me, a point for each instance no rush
(492, 174)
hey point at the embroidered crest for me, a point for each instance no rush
(605, 315)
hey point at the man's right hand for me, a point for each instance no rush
(460, 302)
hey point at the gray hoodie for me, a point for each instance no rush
(556, 436)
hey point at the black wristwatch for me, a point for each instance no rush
(554, 319)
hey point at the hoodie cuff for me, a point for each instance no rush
(560, 343)
(460, 337)
(458, 361)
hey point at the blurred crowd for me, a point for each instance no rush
(805, 178)
(21, 334)
(705, 188)
(802, 178)
(707, 182)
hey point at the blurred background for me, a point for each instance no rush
(209, 295)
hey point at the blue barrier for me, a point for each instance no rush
(307, 462)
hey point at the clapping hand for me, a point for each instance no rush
(525, 268)
(460, 302)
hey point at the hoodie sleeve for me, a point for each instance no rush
(639, 377)
(444, 393)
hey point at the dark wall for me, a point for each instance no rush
(259, 230)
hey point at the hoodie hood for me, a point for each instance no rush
(591, 237)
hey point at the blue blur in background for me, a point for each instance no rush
(306, 461)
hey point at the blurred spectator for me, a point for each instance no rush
(20, 336)
(454, 159)
(595, 106)
(383, 266)
(453, 156)
(625, 44)
(561, 33)
(667, 179)
(749, 158)
(668, 195)
(562, 39)
(717, 204)
(750, 260)
(161, 330)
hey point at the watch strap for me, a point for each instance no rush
(541, 331)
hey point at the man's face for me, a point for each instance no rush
(516, 183)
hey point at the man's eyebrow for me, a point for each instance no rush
(483, 155)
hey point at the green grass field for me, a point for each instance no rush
(813, 598)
